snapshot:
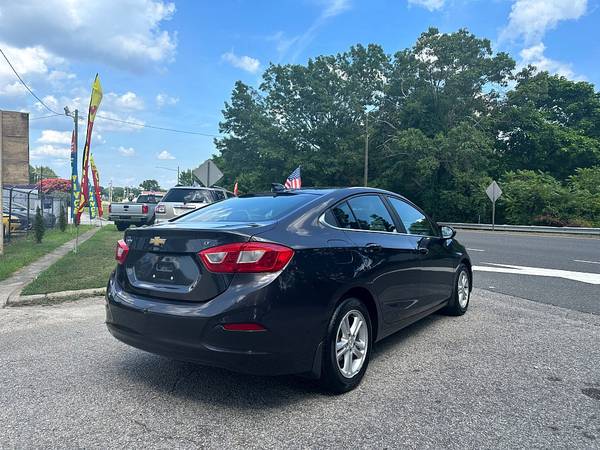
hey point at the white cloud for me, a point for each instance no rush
(431, 5)
(126, 151)
(50, 151)
(122, 33)
(129, 101)
(535, 55)
(530, 19)
(166, 100)
(165, 155)
(335, 7)
(246, 63)
(55, 137)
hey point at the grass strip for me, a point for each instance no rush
(89, 268)
(23, 251)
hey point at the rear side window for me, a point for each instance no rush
(341, 216)
(371, 214)
(219, 195)
(188, 196)
(414, 221)
(249, 209)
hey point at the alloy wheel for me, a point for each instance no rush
(463, 289)
(352, 340)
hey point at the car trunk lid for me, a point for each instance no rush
(163, 260)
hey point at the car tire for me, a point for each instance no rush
(121, 226)
(461, 294)
(343, 373)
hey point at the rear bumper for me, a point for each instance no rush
(129, 219)
(193, 332)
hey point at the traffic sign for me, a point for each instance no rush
(493, 191)
(208, 173)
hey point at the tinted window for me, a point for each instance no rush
(219, 195)
(148, 198)
(248, 209)
(371, 214)
(188, 196)
(414, 221)
(341, 216)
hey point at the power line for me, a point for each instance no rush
(135, 124)
(45, 117)
(27, 87)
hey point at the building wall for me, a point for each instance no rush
(15, 147)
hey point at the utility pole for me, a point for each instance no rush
(2, 193)
(367, 148)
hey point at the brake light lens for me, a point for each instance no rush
(121, 251)
(160, 209)
(144, 209)
(243, 327)
(110, 207)
(246, 257)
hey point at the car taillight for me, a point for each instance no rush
(251, 326)
(160, 209)
(121, 251)
(144, 209)
(246, 257)
(110, 208)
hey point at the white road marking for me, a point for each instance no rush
(584, 277)
(475, 250)
(584, 261)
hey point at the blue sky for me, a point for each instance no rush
(173, 64)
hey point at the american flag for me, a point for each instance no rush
(294, 181)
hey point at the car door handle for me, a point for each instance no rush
(422, 250)
(372, 247)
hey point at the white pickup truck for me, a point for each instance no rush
(138, 212)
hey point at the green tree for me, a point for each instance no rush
(187, 178)
(62, 218)
(39, 227)
(45, 171)
(150, 185)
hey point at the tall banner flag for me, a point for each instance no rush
(294, 181)
(74, 177)
(92, 205)
(96, 179)
(84, 193)
(235, 189)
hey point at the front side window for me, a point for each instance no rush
(371, 214)
(414, 221)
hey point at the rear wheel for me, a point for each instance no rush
(121, 226)
(347, 347)
(459, 302)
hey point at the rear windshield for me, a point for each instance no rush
(249, 209)
(148, 198)
(188, 196)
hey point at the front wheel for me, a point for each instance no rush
(459, 302)
(347, 347)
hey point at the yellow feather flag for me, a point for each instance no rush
(84, 192)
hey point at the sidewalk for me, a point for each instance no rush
(12, 286)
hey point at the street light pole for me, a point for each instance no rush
(366, 174)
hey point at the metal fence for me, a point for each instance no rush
(19, 206)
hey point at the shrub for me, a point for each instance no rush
(62, 219)
(39, 227)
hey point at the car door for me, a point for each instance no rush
(387, 259)
(436, 257)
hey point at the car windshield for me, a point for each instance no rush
(249, 209)
(191, 195)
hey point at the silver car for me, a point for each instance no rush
(182, 199)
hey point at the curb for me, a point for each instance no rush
(54, 297)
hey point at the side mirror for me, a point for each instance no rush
(448, 232)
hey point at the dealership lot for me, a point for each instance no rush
(510, 373)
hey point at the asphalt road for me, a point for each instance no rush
(567, 257)
(509, 374)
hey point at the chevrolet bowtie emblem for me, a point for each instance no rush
(157, 240)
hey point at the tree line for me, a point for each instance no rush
(447, 116)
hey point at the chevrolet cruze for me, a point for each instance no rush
(288, 282)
